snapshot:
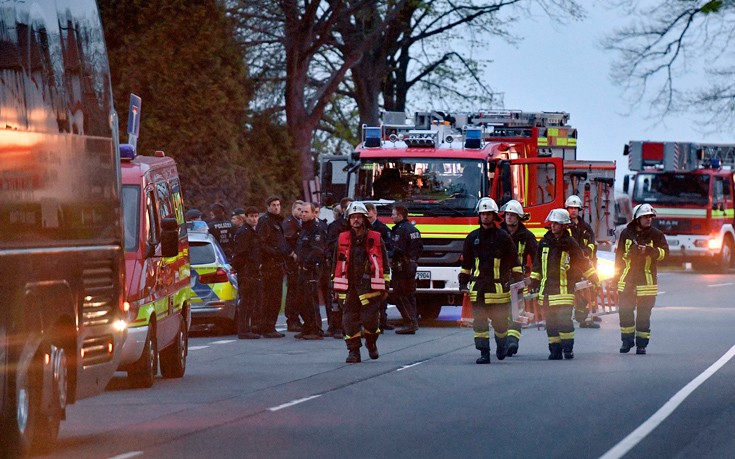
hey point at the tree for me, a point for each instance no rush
(678, 41)
(195, 91)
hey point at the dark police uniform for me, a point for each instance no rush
(224, 233)
(407, 247)
(274, 251)
(310, 250)
(291, 231)
(247, 264)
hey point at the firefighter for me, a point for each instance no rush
(382, 228)
(336, 299)
(558, 266)
(490, 264)
(582, 232)
(274, 252)
(640, 248)
(407, 247)
(526, 246)
(360, 272)
(247, 264)
(310, 251)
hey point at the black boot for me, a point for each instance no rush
(372, 346)
(567, 346)
(627, 343)
(484, 356)
(501, 350)
(353, 356)
(511, 346)
(555, 351)
(408, 329)
(640, 350)
(640, 345)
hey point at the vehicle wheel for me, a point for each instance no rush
(430, 311)
(33, 428)
(173, 358)
(145, 369)
(725, 260)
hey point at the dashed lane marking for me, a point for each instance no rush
(127, 455)
(411, 365)
(725, 284)
(635, 437)
(292, 403)
(196, 348)
(223, 341)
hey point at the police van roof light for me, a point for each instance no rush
(127, 152)
(373, 136)
(473, 138)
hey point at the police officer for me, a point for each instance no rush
(193, 215)
(558, 266)
(291, 230)
(310, 252)
(640, 248)
(360, 273)
(222, 229)
(582, 232)
(490, 264)
(385, 235)
(274, 251)
(336, 300)
(526, 246)
(247, 264)
(407, 247)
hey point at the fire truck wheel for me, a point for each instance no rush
(725, 261)
(173, 358)
(430, 311)
(145, 369)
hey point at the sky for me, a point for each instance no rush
(564, 68)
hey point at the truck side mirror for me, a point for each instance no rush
(169, 237)
(626, 184)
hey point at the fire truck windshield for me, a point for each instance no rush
(672, 188)
(434, 186)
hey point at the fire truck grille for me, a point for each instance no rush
(672, 225)
(98, 306)
(441, 252)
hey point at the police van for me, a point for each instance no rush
(157, 268)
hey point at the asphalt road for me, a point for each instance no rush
(425, 396)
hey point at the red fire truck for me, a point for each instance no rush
(691, 187)
(441, 164)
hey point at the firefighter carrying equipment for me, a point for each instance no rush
(573, 201)
(642, 210)
(515, 207)
(559, 216)
(487, 205)
(373, 265)
(639, 251)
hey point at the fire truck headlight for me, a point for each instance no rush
(120, 325)
(605, 268)
(714, 244)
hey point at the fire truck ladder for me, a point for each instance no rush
(519, 118)
(724, 153)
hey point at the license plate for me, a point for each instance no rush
(423, 275)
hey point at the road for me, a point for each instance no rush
(425, 396)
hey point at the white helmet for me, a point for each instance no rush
(514, 207)
(643, 209)
(559, 216)
(487, 205)
(573, 201)
(356, 207)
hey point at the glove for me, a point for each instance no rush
(651, 251)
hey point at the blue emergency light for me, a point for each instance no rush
(197, 226)
(473, 138)
(373, 137)
(127, 152)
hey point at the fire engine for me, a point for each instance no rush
(691, 187)
(441, 164)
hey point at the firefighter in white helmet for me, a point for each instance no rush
(639, 249)
(360, 274)
(558, 266)
(489, 265)
(526, 245)
(582, 232)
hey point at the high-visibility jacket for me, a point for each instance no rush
(353, 265)
(635, 269)
(489, 255)
(558, 266)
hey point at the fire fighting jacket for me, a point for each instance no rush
(489, 255)
(360, 263)
(526, 244)
(585, 237)
(636, 268)
(558, 266)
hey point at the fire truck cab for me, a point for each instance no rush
(440, 164)
(691, 187)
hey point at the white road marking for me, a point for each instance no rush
(635, 437)
(196, 348)
(409, 366)
(292, 403)
(223, 341)
(127, 455)
(661, 293)
(720, 285)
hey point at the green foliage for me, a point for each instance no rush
(182, 59)
(713, 6)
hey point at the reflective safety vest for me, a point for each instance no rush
(375, 257)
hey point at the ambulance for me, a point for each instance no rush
(157, 268)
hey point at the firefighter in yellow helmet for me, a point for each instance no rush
(490, 264)
(558, 266)
(526, 245)
(640, 248)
